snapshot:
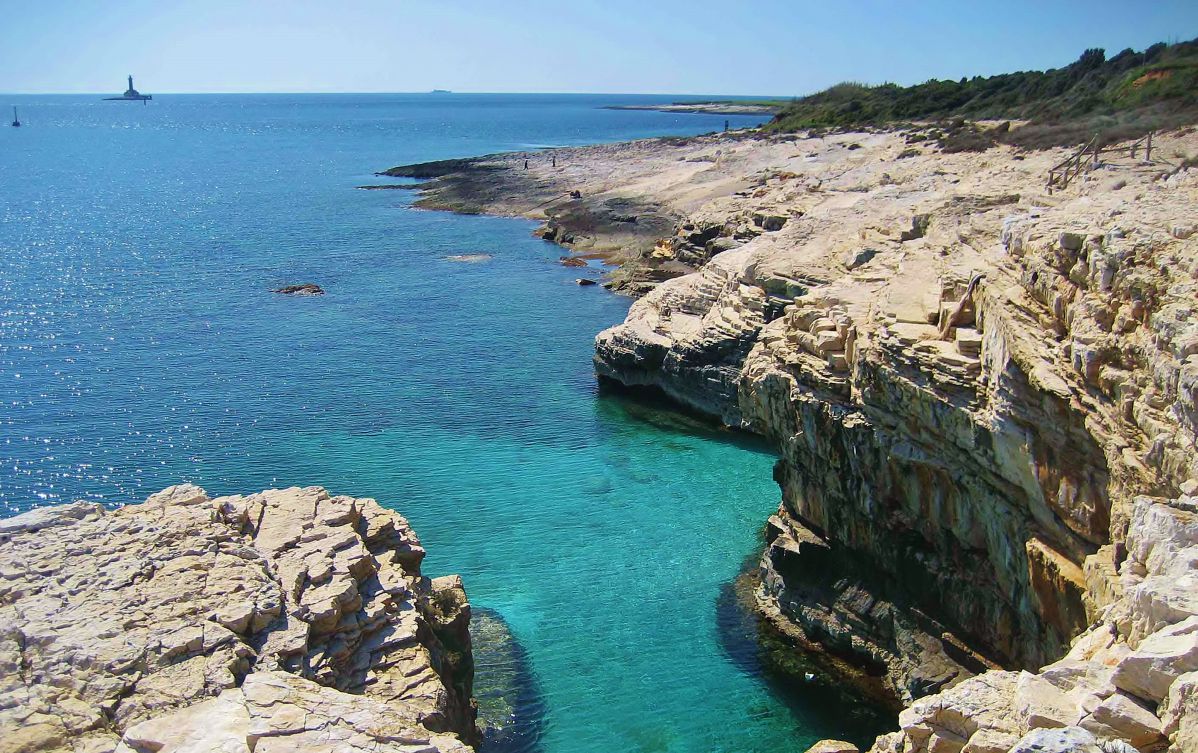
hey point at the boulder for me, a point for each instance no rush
(1179, 712)
(1119, 717)
(1161, 658)
(1039, 703)
(990, 741)
(1071, 241)
(1062, 740)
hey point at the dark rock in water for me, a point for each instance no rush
(307, 288)
(554, 233)
(439, 168)
(572, 261)
(510, 708)
(798, 680)
(394, 186)
(585, 281)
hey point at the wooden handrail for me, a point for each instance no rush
(1061, 173)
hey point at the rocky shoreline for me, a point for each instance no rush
(288, 620)
(706, 108)
(984, 394)
(611, 202)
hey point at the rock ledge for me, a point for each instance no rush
(289, 620)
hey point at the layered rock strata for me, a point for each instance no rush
(970, 382)
(1130, 682)
(289, 620)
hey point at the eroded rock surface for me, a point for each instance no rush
(1128, 680)
(979, 390)
(285, 620)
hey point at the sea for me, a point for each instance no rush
(599, 535)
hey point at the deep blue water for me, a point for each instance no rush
(140, 347)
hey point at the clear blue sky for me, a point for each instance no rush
(778, 47)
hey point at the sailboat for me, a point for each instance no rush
(131, 95)
(16, 122)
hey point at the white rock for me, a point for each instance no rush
(1161, 658)
(1179, 712)
(220, 725)
(1119, 717)
(1062, 740)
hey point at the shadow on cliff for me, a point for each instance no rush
(651, 406)
(510, 706)
(822, 707)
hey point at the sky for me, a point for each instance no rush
(751, 47)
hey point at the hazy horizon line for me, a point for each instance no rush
(417, 91)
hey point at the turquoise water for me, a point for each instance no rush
(140, 347)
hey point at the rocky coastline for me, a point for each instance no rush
(984, 394)
(707, 108)
(288, 620)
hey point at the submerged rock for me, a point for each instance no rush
(510, 707)
(572, 261)
(285, 620)
(469, 258)
(833, 746)
(307, 288)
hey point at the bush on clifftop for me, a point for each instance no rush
(1134, 91)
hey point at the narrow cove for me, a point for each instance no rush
(143, 348)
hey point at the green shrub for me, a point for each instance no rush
(1139, 90)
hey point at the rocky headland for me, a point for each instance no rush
(289, 620)
(983, 391)
(709, 108)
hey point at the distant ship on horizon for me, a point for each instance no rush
(440, 91)
(130, 95)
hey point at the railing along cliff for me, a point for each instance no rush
(1069, 168)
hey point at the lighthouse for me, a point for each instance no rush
(131, 95)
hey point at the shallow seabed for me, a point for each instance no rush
(140, 346)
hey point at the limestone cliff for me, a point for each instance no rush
(970, 381)
(1128, 683)
(289, 620)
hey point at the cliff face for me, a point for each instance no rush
(969, 382)
(289, 620)
(1128, 683)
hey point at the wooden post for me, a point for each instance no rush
(1148, 148)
